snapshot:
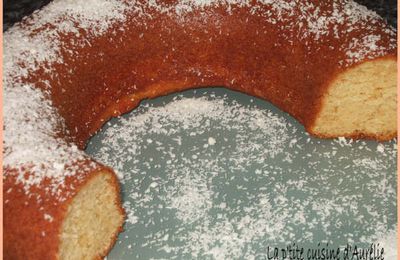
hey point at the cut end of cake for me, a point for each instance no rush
(93, 219)
(361, 102)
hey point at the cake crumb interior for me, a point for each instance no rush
(362, 99)
(92, 220)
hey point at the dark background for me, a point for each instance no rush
(14, 10)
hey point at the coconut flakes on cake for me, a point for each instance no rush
(31, 123)
(313, 23)
(26, 52)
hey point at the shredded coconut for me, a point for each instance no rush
(31, 122)
(264, 182)
(48, 217)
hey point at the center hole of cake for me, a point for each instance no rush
(217, 173)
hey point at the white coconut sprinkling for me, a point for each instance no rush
(282, 177)
(30, 120)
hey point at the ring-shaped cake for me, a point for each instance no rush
(73, 65)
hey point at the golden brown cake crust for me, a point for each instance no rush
(282, 53)
(165, 54)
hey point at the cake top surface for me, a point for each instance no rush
(32, 137)
(31, 122)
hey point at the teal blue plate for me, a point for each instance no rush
(216, 174)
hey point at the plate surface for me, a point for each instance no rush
(216, 174)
